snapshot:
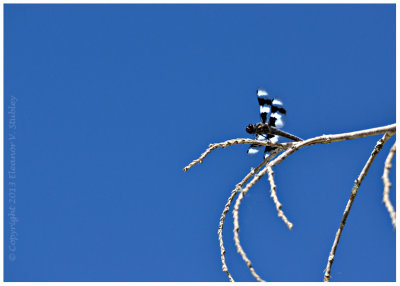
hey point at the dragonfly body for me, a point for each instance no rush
(273, 115)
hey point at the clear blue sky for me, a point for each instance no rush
(114, 100)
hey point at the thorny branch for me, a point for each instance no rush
(387, 185)
(290, 148)
(353, 194)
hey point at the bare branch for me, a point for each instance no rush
(296, 146)
(353, 194)
(292, 147)
(235, 142)
(326, 139)
(387, 185)
(356, 134)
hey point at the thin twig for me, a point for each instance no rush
(228, 204)
(220, 228)
(235, 142)
(353, 194)
(387, 185)
(236, 236)
(274, 197)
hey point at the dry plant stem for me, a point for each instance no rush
(326, 139)
(293, 146)
(296, 146)
(236, 237)
(220, 228)
(387, 185)
(353, 194)
(274, 197)
(236, 216)
(255, 179)
(228, 204)
(234, 142)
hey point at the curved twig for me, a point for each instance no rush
(387, 185)
(220, 228)
(228, 204)
(353, 194)
(236, 235)
(235, 212)
(274, 197)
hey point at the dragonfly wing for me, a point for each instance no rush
(255, 149)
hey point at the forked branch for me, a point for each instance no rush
(266, 167)
(326, 139)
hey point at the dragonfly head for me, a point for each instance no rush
(250, 129)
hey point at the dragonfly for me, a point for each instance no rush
(273, 117)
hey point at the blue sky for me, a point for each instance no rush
(114, 100)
